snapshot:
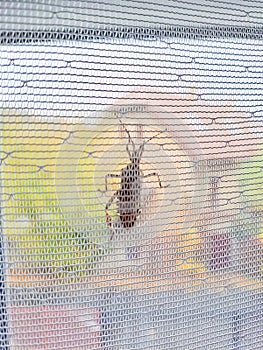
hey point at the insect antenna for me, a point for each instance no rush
(153, 137)
(124, 127)
(141, 148)
(130, 140)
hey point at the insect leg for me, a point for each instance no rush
(108, 217)
(110, 176)
(159, 180)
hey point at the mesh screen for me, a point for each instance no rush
(131, 175)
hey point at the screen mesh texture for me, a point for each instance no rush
(131, 175)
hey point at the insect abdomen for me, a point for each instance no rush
(129, 195)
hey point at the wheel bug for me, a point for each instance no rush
(129, 194)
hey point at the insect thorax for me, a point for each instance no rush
(131, 176)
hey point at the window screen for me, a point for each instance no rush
(131, 175)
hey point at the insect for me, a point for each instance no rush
(129, 194)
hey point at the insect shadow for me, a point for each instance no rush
(128, 196)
